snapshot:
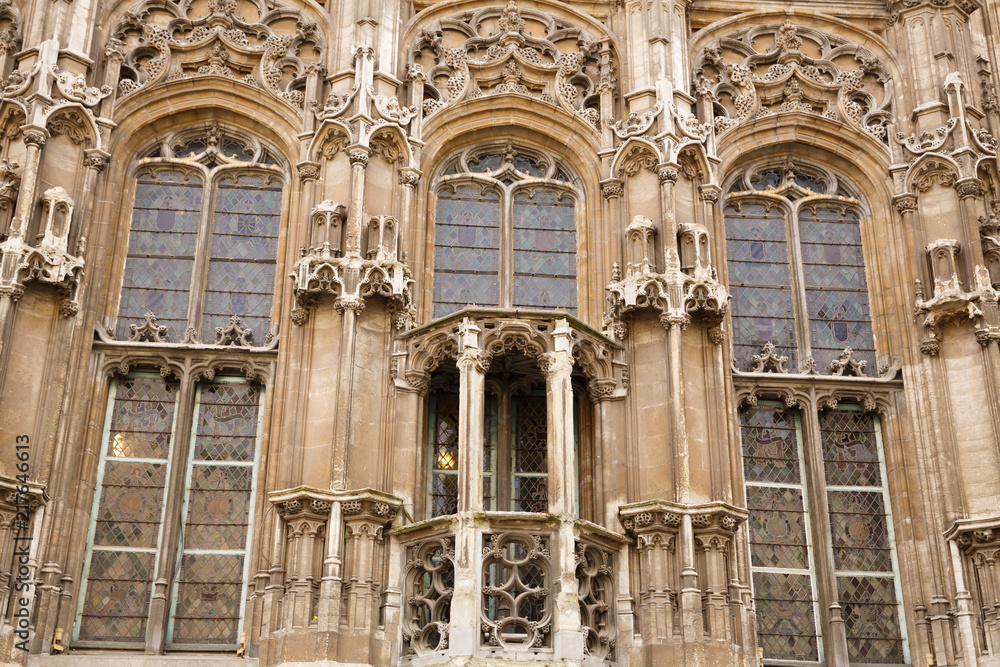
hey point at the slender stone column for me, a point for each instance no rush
(34, 140)
(349, 308)
(675, 324)
(668, 174)
(359, 156)
(964, 614)
(692, 627)
(473, 363)
(557, 366)
(408, 178)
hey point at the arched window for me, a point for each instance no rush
(505, 232)
(796, 269)
(203, 239)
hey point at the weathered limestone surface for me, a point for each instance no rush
(657, 121)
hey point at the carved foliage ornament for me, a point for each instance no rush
(747, 79)
(500, 53)
(245, 40)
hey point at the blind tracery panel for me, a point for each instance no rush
(162, 242)
(243, 254)
(125, 530)
(208, 595)
(466, 249)
(796, 269)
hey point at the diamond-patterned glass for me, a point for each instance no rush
(162, 241)
(466, 249)
(131, 490)
(860, 534)
(244, 251)
(836, 291)
(871, 617)
(777, 528)
(850, 450)
(758, 275)
(529, 455)
(444, 454)
(544, 250)
(218, 496)
(770, 447)
(786, 626)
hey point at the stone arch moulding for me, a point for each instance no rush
(538, 51)
(420, 351)
(766, 64)
(255, 43)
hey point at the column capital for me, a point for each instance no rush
(554, 364)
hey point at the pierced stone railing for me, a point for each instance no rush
(508, 586)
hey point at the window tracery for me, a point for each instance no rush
(772, 69)
(203, 240)
(505, 231)
(245, 40)
(501, 50)
(796, 271)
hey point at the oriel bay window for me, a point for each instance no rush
(203, 240)
(803, 495)
(515, 437)
(505, 231)
(172, 513)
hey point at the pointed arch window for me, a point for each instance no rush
(796, 268)
(505, 232)
(203, 239)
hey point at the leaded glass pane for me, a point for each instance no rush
(860, 536)
(850, 450)
(466, 249)
(444, 454)
(758, 275)
(786, 626)
(777, 528)
(836, 291)
(162, 240)
(544, 250)
(244, 250)
(529, 455)
(131, 485)
(770, 447)
(218, 501)
(871, 617)
(780, 553)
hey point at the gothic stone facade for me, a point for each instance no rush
(612, 332)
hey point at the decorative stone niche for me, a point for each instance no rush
(383, 238)
(327, 229)
(694, 249)
(640, 235)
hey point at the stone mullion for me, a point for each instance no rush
(831, 623)
(472, 365)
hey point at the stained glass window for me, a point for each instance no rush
(862, 539)
(126, 527)
(780, 549)
(836, 291)
(529, 455)
(209, 590)
(162, 243)
(759, 279)
(443, 454)
(829, 295)
(515, 453)
(544, 251)
(781, 525)
(466, 249)
(165, 269)
(502, 236)
(244, 249)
